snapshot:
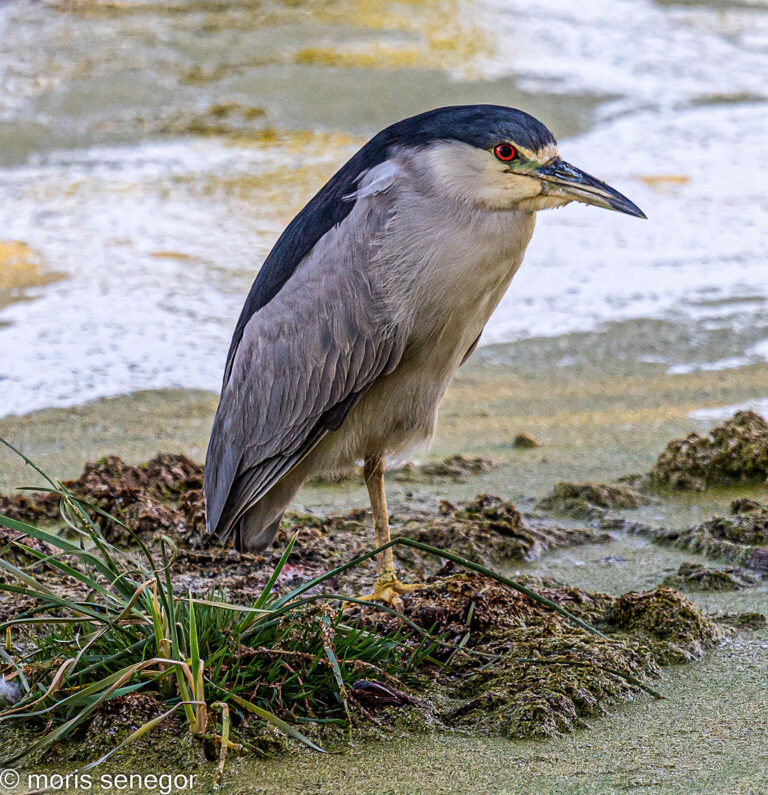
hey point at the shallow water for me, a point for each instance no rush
(152, 152)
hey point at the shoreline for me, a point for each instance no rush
(595, 420)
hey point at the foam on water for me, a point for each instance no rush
(158, 255)
(160, 240)
(759, 405)
(702, 240)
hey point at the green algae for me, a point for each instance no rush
(677, 630)
(546, 677)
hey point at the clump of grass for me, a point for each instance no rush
(284, 659)
(127, 630)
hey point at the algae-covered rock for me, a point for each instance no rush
(677, 629)
(169, 744)
(587, 500)
(732, 453)
(695, 577)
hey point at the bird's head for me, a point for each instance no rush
(502, 159)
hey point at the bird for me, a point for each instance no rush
(372, 297)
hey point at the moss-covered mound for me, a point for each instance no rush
(741, 537)
(695, 577)
(138, 496)
(490, 529)
(671, 624)
(540, 675)
(456, 468)
(732, 453)
(505, 663)
(743, 621)
(589, 500)
(508, 665)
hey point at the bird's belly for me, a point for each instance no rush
(396, 415)
(399, 412)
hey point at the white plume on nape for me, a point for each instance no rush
(375, 180)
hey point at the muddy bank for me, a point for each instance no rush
(499, 663)
(162, 499)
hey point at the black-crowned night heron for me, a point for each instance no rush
(370, 300)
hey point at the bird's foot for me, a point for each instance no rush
(389, 590)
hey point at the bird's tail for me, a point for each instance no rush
(251, 535)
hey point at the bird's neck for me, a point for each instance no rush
(455, 263)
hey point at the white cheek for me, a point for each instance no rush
(471, 175)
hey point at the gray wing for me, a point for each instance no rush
(304, 361)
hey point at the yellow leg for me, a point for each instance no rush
(388, 588)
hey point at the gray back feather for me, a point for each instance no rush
(304, 361)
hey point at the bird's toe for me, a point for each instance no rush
(389, 592)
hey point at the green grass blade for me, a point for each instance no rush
(60, 543)
(276, 573)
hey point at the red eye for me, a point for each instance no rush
(505, 152)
